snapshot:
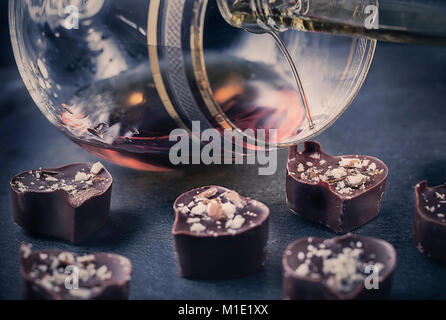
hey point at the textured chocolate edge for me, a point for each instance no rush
(323, 189)
(33, 291)
(222, 257)
(425, 227)
(59, 198)
(320, 291)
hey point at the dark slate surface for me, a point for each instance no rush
(398, 116)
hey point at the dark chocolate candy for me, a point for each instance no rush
(346, 267)
(341, 193)
(70, 202)
(219, 234)
(430, 221)
(51, 274)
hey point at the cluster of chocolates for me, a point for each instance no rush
(70, 203)
(220, 234)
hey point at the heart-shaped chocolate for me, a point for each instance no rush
(70, 202)
(342, 192)
(62, 275)
(346, 267)
(430, 221)
(219, 234)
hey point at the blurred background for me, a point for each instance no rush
(398, 116)
(7, 63)
(6, 57)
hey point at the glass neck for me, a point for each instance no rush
(417, 21)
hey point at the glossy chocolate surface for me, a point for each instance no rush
(338, 268)
(219, 234)
(340, 192)
(430, 221)
(50, 274)
(69, 202)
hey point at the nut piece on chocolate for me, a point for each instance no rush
(430, 221)
(49, 275)
(70, 202)
(219, 234)
(346, 267)
(341, 193)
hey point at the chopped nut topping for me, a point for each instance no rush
(303, 270)
(440, 196)
(235, 223)
(26, 250)
(336, 173)
(103, 273)
(66, 258)
(351, 173)
(81, 293)
(49, 271)
(197, 227)
(234, 197)
(435, 204)
(193, 220)
(199, 209)
(87, 258)
(96, 168)
(207, 193)
(184, 210)
(227, 209)
(350, 163)
(356, 181)
(215, 210)
(81, 186)
(81, 176)
(342, 269)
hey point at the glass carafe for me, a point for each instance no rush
(118, 76)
